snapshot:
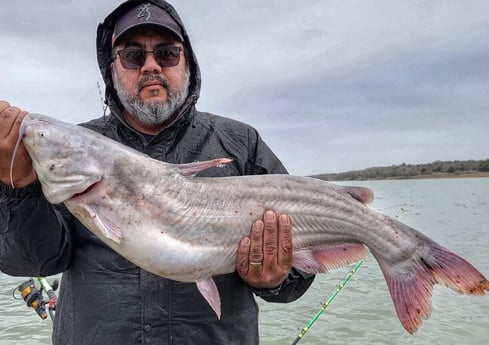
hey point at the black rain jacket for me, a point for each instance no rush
(104, 299)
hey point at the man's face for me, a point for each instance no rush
(150, 94)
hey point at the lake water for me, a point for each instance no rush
(454, 212)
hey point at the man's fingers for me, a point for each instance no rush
(242, 255)
(270, 240)
(8, 116)
(10, 123)
(284, 242)
(264, 258)
(3, 105)
(11, 120)
(256, 245)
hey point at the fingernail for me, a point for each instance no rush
(270, 215)
(245, 241)
(258, 225)
(284, 219)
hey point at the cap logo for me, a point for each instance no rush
(143, 11)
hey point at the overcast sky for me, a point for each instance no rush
(330, 85)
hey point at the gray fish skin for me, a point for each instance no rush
(173, 224)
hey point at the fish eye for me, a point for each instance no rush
(42, 134)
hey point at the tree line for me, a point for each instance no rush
(406, 171)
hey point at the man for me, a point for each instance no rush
(152, 85)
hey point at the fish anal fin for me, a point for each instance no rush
(107, 227)
(192, 169)
(208, 290)
(329, 257)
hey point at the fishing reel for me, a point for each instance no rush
(33, 296)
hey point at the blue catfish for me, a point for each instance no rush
(168, 221)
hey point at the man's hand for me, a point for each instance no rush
(264, 259)
(10, 121)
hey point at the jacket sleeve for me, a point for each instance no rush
(34, 240)
(297, 282)
(262, 159)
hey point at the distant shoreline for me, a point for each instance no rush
(468, 174)
(434, 170)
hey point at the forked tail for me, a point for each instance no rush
(411, 290)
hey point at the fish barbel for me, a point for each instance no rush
(163, 218)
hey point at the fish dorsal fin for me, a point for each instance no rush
(362, 194)
(192, 169)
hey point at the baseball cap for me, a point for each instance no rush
(145, 14)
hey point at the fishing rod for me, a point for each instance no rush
(330, 299)
(33, 296)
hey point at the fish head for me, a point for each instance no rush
(62, 156)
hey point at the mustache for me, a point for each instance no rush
(152, 77)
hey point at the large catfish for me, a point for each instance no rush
(166, 220)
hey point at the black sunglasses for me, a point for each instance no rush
(165, 56)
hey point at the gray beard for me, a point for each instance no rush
(153, 113)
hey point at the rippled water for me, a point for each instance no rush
(454, 212)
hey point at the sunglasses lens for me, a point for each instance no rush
(132, 58)
(167, 56)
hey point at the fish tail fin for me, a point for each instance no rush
(411, 289)
(456, 273)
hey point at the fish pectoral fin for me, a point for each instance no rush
(192, 169)
(208, 289)
(107, 227)
(326, 258)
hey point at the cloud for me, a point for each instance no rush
(331, 86)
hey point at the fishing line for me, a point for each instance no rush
(104, 104)
(388, 208)
(401, 210)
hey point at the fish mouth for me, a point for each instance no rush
(86, 191)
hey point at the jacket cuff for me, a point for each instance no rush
(7, 192)
(269, 292)
(293, 277)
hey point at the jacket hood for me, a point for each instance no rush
(104, 55)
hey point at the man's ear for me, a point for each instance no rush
(112, 70)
